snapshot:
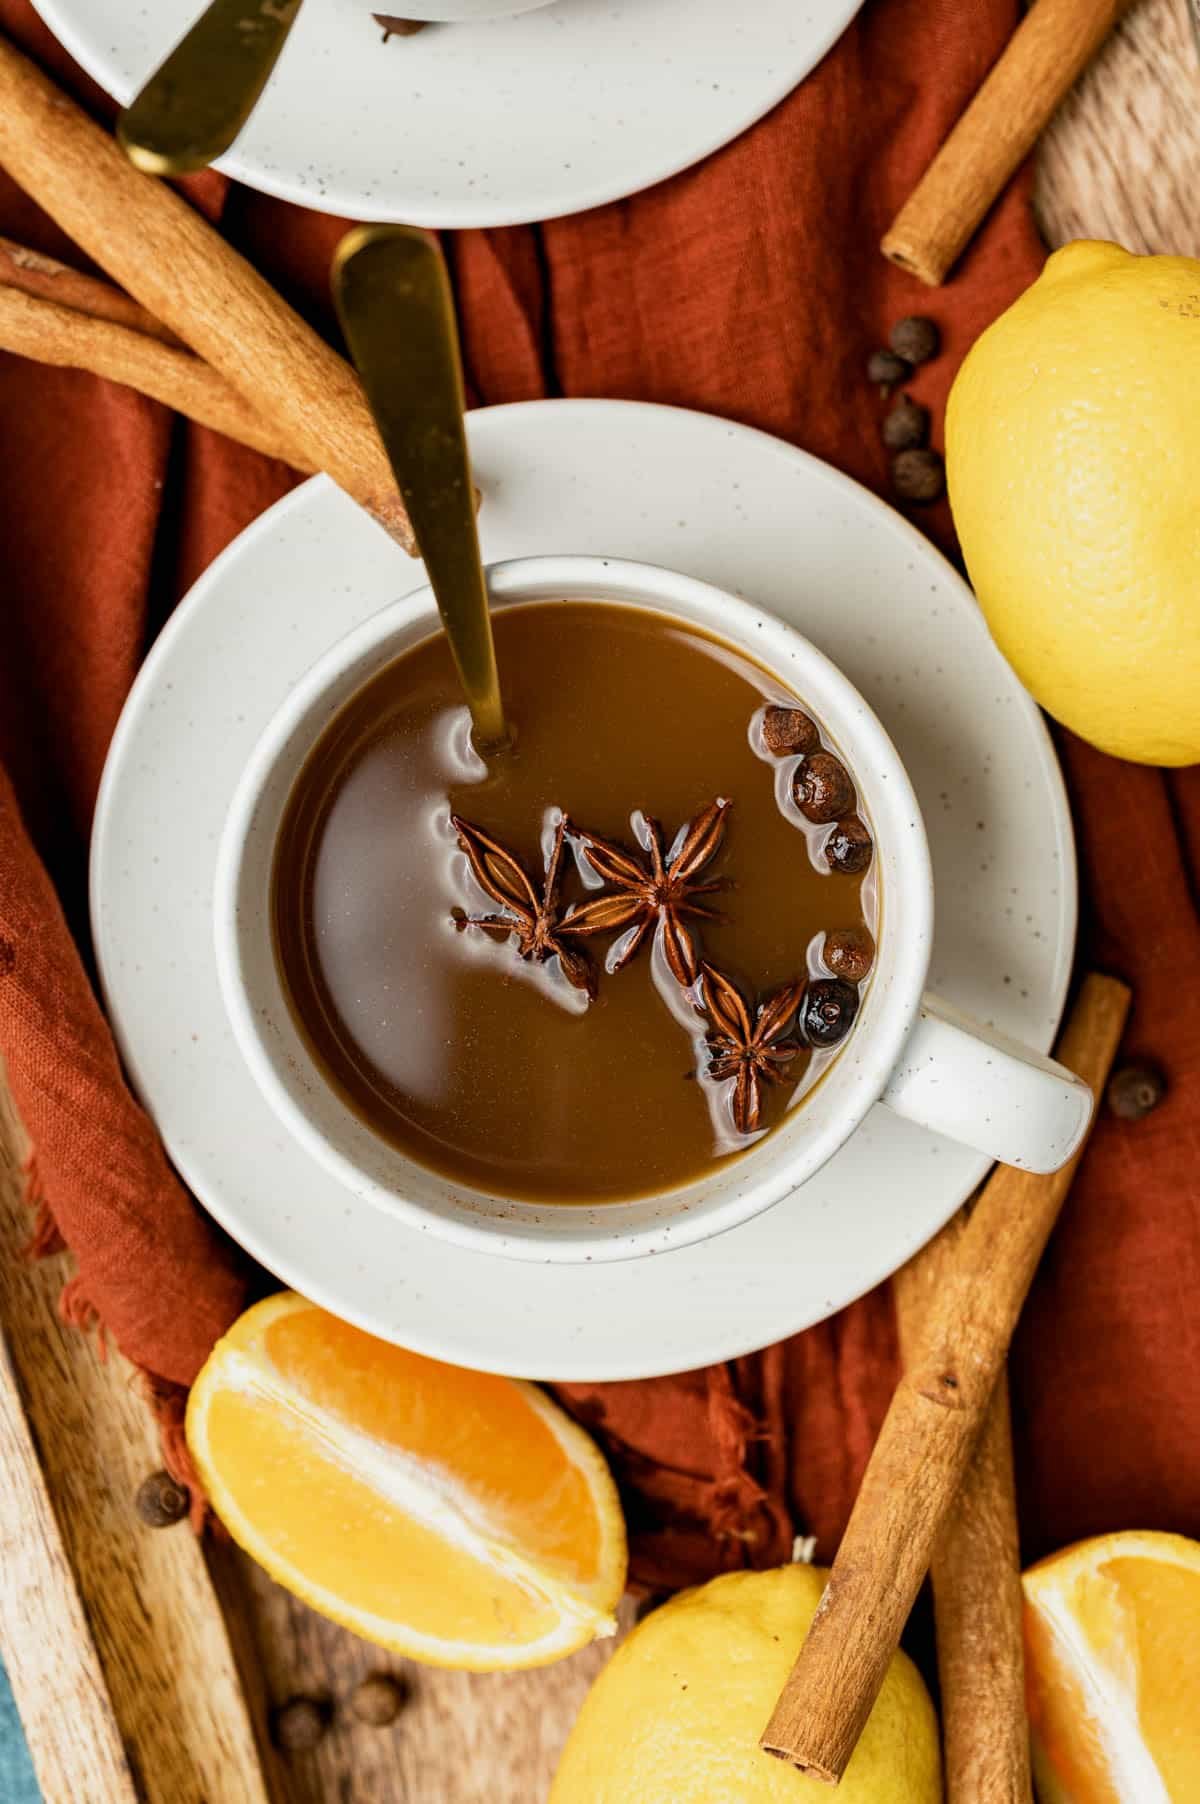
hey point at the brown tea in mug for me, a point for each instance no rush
(607, 959)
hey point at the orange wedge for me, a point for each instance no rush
(461, 1519)
(1112, 1647)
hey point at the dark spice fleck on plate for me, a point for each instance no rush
(398, 28)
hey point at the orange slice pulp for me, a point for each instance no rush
(455, 1517)
(1112, 1634)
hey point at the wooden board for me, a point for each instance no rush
(463, 1738)
(146, 1594)
(1121, 160)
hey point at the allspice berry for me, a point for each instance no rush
(848, 953)
(887, 369)
(915, 338)
(849, 847)
(827, 1011)
(1134, 1090)
(918, 476)
(823, 789)
(789, 730)
(299, 1725)
(161, 1500)
(378, 1700)
(906, 425)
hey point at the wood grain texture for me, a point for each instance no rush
(976, 1575)
(172, 261)
(151, 1608)
(51, 1659)
(462, 1738)
(929, 1435)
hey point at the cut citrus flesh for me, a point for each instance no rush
(1112, 1637)
(458, 1518)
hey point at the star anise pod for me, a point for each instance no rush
(750, 1051)
(656, 888)
(535, 920)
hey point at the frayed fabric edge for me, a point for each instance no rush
(45, 1239)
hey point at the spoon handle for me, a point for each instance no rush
(397, 312)
(197, 101)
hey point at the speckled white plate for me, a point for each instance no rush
(716, 501)
(486, 124)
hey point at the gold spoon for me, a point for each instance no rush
(195, 104)
(393, 299)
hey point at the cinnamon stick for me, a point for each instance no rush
(976, 1575)
(168, 258)
(60, 335)
(1051, 46)
(929, 1435)
(33, 272)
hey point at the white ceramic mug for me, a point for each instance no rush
(907, 1049)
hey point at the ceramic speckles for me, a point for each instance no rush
(490, 123)
(712, 500)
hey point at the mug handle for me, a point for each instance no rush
(967, 1081)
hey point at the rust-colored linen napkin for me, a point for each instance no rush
(749, 286)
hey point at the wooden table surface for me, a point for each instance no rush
(1121, 160)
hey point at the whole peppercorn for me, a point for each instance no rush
(1134, 1090)
(906, 425)
(378, 1700)
(298, 1725)
(918, 475)
(161, 1500)
(849, 847)
(915, 338)
(828, 1010)
(822, 789)
(886, 368)
(849, 953)
(789, 730)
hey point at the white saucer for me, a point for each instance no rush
(485, 124)
(716, 501)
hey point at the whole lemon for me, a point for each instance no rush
(675, 1716)
(1073, 462)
